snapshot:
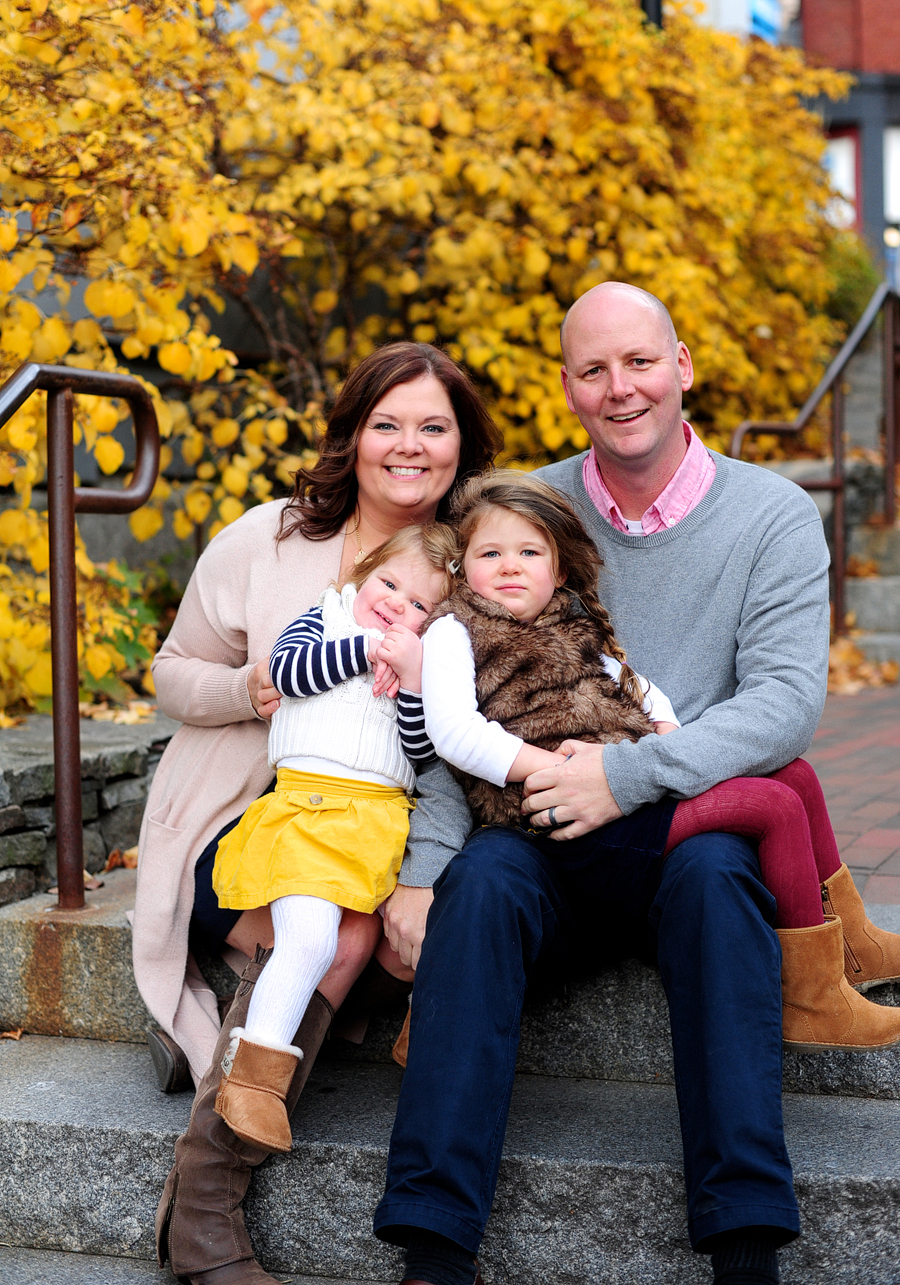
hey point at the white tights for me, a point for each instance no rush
(306, 933)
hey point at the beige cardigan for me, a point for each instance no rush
(244, 592)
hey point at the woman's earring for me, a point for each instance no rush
(454, 568)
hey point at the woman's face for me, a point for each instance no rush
(408, 450)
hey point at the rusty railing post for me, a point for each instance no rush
(64, 648)
(838, 507)
(891, 405)
(64, 500)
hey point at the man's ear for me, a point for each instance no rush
(564, 376)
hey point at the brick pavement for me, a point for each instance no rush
(856, 752)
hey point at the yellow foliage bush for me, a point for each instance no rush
(455, 173)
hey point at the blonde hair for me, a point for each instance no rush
(575, 555)
(434, 543)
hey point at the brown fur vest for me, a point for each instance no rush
(544, 682)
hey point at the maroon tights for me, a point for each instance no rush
(785, 813)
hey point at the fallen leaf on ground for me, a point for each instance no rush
(91, 884)
(118, 859)
(12, 1035)
(136, 711)
(851, 671)
(862, 568)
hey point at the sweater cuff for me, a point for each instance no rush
(630, 787)
(223, 693)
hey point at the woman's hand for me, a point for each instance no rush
(264, 698)
(405, 912)
(578, 790)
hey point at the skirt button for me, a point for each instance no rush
(315, 799)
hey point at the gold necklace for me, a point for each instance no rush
(362, 553)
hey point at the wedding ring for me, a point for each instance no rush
(552, 815)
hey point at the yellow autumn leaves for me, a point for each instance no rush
(326, 178)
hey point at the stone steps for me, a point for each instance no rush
(86, 1140)
(875, 601)
(69, 973)
(56, 1267)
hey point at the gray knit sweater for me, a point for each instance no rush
(727, 612)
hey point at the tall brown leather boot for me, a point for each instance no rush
(820, 1010)
(871, 955)
(200, 1223)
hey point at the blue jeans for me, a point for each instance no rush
(503, 909)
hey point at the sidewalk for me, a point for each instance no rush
(856, 753)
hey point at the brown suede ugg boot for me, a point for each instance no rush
(200, 1223)
(255, 1079)
(820, 1010)
(871, 955)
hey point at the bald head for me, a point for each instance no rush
(609, 294)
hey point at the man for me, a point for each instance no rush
(716, 582)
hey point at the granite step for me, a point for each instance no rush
(86, 1140)
(69, 973)
(876, 602)
(879, 646)
(56, 1267)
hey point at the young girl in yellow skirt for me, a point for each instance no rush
(346, 742)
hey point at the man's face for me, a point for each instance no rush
(624, 377)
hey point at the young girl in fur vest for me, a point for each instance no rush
(523, 656)
(333, 831)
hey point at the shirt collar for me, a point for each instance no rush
(686, 488)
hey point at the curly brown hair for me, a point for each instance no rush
(576, 557)
(325, 495)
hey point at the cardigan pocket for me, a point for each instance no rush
(163, 854)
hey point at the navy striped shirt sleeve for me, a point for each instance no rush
(302, 664)
(411, 726)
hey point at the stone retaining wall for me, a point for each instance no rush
(117, 765)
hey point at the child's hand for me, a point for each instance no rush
(264, 698)
(402, 651)
(387, 682)
(662, 728)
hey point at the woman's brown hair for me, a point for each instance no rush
(575, 554)
(325, 495)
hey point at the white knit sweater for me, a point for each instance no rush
(346, 724)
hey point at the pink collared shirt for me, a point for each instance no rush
(687, 487)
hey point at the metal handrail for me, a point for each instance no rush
(63, 501)
(885, 297)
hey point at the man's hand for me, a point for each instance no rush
(405, 912)
(578, 790)
(264, 698)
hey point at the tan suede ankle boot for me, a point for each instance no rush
(256, 1076)
(871, 955)
(820, 1010)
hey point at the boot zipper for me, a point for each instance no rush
(851, 961)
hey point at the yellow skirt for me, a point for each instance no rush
(318, 836)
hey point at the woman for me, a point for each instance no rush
(405, 429)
